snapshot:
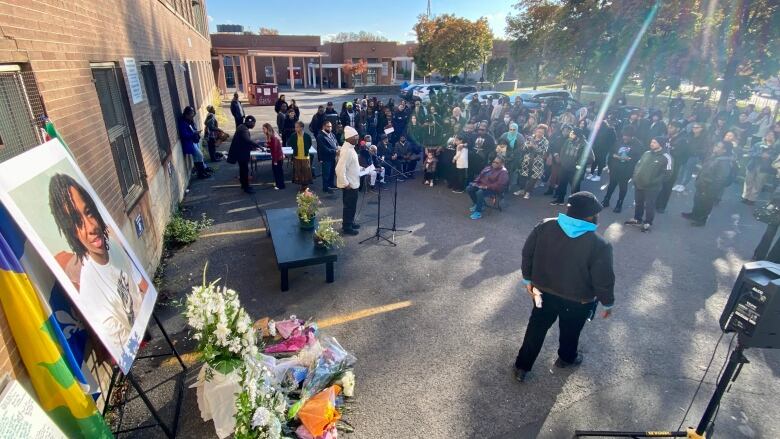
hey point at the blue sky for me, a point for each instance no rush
(393, 19)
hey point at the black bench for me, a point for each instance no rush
(294, 246)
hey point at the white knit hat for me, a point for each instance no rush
(349, 132)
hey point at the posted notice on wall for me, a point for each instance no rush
(136, 93)
(21, 416)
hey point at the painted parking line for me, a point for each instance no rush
(257, 230)
(191, 358)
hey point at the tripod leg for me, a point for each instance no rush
(149, 405)
(168, 340)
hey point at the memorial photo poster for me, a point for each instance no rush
(68, 225)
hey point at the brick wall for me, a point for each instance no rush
(58, 40)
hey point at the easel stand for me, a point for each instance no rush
(736, 361)
(117, 377)
(377, 236)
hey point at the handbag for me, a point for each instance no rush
(768, 213)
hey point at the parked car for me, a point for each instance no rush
(423, 93)
(484, 96)
(557, 100)
(408, 92)
(462, 90)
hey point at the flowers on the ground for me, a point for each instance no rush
(221, 326)
(257, 406)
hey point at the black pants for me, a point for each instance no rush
(703, 202)
(458, 179)
(600, 161)
(243, 173)
(239, 120)
(278, 169)
(666, 189)
(408, 168)
(349, 198)
(212, 145)
(571, 319)
(567, 177)
(328, 174)
(619, 174)
(645, 204)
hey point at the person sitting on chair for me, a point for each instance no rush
(492, 181)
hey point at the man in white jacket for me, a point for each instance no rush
(348, 180)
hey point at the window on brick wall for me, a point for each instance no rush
(21, 112)
(115, 107)
(173, 90)
(188, 84)
(156, 109)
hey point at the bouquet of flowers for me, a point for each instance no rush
(308, 204)
(221, 326)
(260, 406)
(326, 236)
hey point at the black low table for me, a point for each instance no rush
(294, 246)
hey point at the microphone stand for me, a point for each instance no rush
(378, 233)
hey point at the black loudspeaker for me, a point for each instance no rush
(753, 309)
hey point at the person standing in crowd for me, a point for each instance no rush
(461, 161)
(762, 125)
(213, 133)
(294, 106)
(640, 126)
(602, 145)
(348, 180)
(300, 142)
(676, 108)
(698, 146)
(240, 148)
(730, 114)
(190, 141)
(679, 150)
(348, 116)
(653, 168)
(317, 121)
(474, 105)
(288, 125)
(567, 270)
(622, 160)
(492, 181)
(710, 183)
(745, 129)
(482, 145)
(430, 167)
(759, 168)
(274, 144)
(400, 119)
(279, 102)
(281, 116)
(407, 154)
(327, 145)
(574, 157)
(657, 125)
(702, 110)
(768, 249)
(237, 110)
(553, 160)
(534, 151)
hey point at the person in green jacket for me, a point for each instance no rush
(653, 168)
(713, 178)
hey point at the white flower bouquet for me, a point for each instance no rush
(260, 407)
(221, 326)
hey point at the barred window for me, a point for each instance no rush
(22, 116)
(116, 115)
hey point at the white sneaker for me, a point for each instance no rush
(678, 188)
(588, 176)
(596, 178)
(527, 196)
(520, 192)
(431, 183)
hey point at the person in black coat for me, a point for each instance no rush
(315, 126)
(237, 110)
(240, 148)
(279, 102)
(679, 148)
(288, 125)
(327, 145)
(622, 160)
(602, 144)
(710, 183)
(567, 270)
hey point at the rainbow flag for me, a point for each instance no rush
(54, 369)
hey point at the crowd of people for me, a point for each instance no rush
(494, 149)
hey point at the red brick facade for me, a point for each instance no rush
(59, 40)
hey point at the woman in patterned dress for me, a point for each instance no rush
(532, 168)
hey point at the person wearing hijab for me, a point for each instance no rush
(514, 155)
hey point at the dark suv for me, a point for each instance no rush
(557, 100)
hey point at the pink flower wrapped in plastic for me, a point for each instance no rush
(292, 344)
(303, 433)
(287, 328)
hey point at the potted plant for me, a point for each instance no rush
(326, 236)
(308, 203)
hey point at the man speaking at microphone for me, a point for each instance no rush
(348, 180)
(567, 270)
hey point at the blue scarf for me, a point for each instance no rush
(512, 136)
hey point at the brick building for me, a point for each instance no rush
(113, 76)
(294, 60)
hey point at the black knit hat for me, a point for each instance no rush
(582, 205)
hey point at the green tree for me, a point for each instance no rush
(531, 31)
(451, 45)
(496, 69)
